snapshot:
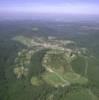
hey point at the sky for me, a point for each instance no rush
(85, 7)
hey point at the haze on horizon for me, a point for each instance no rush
(12, 8)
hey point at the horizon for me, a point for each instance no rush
(48, 8)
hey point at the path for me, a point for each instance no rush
(51, 71)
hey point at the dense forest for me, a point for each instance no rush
(12, 88)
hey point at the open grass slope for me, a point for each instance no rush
(23, 40)
(60, 70)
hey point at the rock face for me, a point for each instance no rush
(21, 71)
